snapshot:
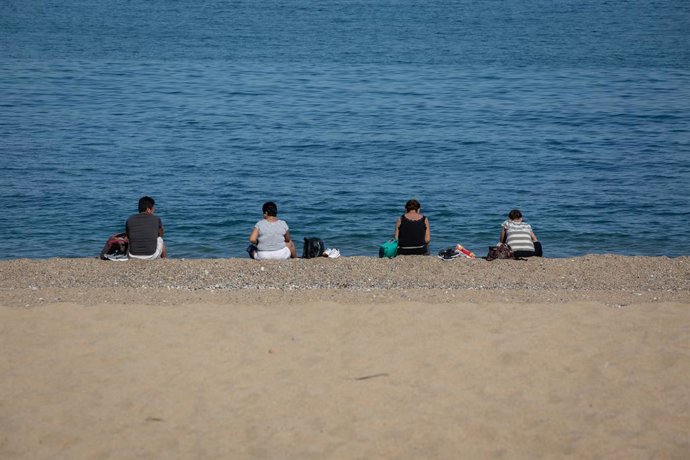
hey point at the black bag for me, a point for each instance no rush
(313, 247)
(499, 252)
(116, 246)
(538, 251)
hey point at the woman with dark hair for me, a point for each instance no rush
(412, 231)
(519, 236)
(270, 238)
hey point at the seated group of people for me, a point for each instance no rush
(270, 237)
(413, 233)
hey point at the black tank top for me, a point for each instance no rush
(411, 232)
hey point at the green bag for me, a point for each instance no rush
(389, 249)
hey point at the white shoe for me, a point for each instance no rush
(117, 257)
(332, 253)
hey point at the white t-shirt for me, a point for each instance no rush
(271, 235)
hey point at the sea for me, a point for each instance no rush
(575, 112)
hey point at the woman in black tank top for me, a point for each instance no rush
(412, 231)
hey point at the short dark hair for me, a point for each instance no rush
(514, 214)
(146, 202)
(412, 205)
(270, 208)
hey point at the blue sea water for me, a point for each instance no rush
(578, 113)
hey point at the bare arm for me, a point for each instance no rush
(397, 228)
(502, 239)
(427, 235)
(290, 245)
(254, 237)
(534, 237)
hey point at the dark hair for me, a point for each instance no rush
(412, 205)
(146, 202)
(270, 208)
(514, 214)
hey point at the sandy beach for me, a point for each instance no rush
(355, 357)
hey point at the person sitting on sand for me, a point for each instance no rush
(412, 231)
(145, 232)
(519, 236)
(270, 238)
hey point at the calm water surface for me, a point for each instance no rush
(340, 111)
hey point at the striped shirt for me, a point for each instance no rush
(518, 235)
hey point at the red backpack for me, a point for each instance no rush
(116, 247)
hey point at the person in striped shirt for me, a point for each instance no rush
(519, 236)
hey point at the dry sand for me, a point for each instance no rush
(349, 358)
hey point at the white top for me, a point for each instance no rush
(271, 235)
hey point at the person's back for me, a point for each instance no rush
(270, 238)
(519, 236)
(412, 231)
(271, 234)
(144, 231)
